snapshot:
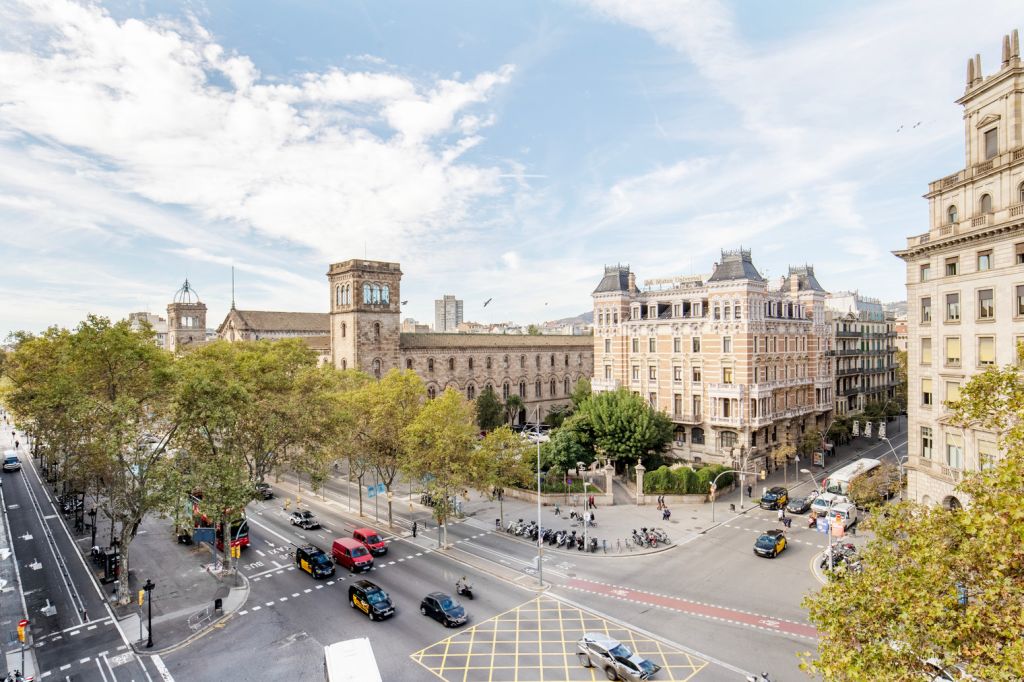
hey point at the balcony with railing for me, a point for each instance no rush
(719, 420)
(720, 390)
(687, 417)
(847, 335)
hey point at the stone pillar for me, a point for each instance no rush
(640, 469)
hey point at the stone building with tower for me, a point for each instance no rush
(366, 334)
(186, 320)
(740, 365)
(965, 281)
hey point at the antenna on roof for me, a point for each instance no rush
(232, 287)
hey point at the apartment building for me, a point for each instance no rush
(865, 352)
(447, 314)
(740, 365)
(965, 280)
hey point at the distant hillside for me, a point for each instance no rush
(583, 318)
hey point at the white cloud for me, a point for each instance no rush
(328, 161)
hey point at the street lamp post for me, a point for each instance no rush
(540, 543)
(148, 587)
(92, 520)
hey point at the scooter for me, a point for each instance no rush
(593, 545)
(579, 543)
(465, 589)
(763, 677)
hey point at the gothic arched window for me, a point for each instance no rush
(376, 331)
(343, 330)
(367, 298)
(470, 362)
(471, 392)
(385, 294)
(376, 368)
(522, 389)
(337, 295)
(553, 384)
(567, 391)
(376, 293)
(552, 360)
(505, 391)
(487, 362)
(451, 364)
(431, 392)
(344, 363)
(408, 363)
(536, 389)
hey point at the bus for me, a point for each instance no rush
(351, 660)
(838, 482)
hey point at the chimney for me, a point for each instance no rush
(1006, 50)
(632, 283)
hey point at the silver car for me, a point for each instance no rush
(596, 649)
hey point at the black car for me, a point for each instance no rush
(304, 519)
(801, 505)
(314, 561)
(775, 498)
(370, 599)
(264, 491)
(443, 609)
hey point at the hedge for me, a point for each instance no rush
(684, 480)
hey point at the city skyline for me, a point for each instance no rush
(516, 151)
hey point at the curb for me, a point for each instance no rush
(143, 651)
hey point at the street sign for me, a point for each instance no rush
(381, 488)
(881, 429)
(371, 491)
(822, 524)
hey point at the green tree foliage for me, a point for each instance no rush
(569, 444)
(580, 393)
(625, 427)
(871, 490)
(441, 442)
(533, 330)
(489, 412)
(684, 480)
(923, 560)
(97, 398)
(503, 460)
(382, 412)
(900, 400)
(512, 408)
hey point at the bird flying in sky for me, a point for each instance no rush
(487, 301)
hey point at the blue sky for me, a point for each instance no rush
(497, 150)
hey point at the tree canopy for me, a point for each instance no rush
(624, 427)
(941, 584)
(489, 411)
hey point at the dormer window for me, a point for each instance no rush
(986, 203)
(991, 143)
(951, 214)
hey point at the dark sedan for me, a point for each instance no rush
(801, 505)
(442, 608)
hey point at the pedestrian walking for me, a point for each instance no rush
(16, 445)
(414, 528)
(558, 510)
(750, 492)
(782, 514)
(665, 514)
(787, 521)
(572, 513)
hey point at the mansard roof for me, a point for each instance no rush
(735, 265)
(805, 278)
(616, 278)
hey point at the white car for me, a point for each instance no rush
(11, 461)
(824, 502)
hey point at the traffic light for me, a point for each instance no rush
(236, 551)
(142, 596)
(763, 474)
(22, 627)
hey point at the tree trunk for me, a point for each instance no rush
(124, 590)
(226, 543)
(359, 479)
(391, 522)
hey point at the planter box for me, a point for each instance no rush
(685, 499)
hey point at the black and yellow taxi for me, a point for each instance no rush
(775, 498)
(770, 543)
(369, 598)
(314, 561)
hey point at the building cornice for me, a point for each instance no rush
(956, 240)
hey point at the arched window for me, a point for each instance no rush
(376, 331)
(431, 392)
(344, 363)
(337, 295)
(952, 215)
(471, 392)
(451, 364)
(367, 298)
(505, 391)
(566, 359)
(697, 436)
(567, 391)
(348, 294)
(376, 293)
(553, 385)
(579, 359)
(1020, 193)
(376, 368)
(986, 203)
(385, 294)
(536, 389)
(536, 361)
(487, 362)
(505, 362)
(430, 364)
(552, 359)
(408, 363)
(344, 329)
(522, 390)
(522, 361)
(470, 363)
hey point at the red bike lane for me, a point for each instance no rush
(722, 613)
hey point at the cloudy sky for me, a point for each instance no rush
(503, 150)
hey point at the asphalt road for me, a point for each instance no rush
(73, 633)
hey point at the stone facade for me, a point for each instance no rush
(740, 366)
(965, 281)
(186, 320)
(365, 333)
(865, 352)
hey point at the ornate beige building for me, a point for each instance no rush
(365, 333)
(965, 280)
(740, 366)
